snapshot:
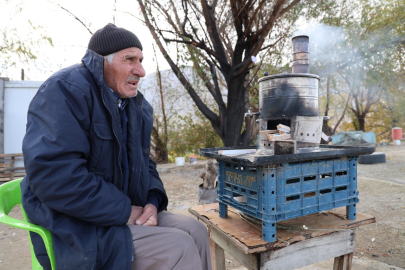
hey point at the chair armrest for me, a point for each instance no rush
(25, 225)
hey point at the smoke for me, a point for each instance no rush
(335, 48)
(330, 47)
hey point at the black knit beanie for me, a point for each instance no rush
(111, 39)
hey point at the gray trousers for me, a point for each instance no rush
(178, 242)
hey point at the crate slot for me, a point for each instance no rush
(243, 190)
(228, 185)
(309, 178)
(228, 165)
(253, 170)
(239, 198)
(341, 173)
(254, 193)
(309, 194)
(293, 198)
(324, 191)
(341, 188)
(327, 175)
(241, 168)
(292, 181)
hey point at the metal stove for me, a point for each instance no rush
(307, 178)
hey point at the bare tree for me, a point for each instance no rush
(159, 130)
(365, 92)
(220, 39)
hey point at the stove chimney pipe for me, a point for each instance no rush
(300, 54)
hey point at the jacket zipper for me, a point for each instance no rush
(116, 137)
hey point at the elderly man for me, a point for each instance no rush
(90, 180)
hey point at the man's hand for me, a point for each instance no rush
(148, 217)
(136, 212)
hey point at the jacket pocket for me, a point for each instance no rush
(104, 142)
(103, 131)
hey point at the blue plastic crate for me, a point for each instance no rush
(284, 191)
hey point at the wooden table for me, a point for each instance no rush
(301, 241)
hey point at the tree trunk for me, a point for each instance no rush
(235, 112)
(362, 123)
(161, 155)
(325, 126)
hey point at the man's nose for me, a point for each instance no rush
(139, 70)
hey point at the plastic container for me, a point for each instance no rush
(193, 159)
(180, 161)
(397, 135)
(284, 191)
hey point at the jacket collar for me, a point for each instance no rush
(95, 64)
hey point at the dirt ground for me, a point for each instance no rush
(381, 192)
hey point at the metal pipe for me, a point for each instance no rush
(300, 54)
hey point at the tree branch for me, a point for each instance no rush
(252, 18)
(71, 14)
(343, 114)
(214, 119)
(211, 25)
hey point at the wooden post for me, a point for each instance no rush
(217, 254)
(343, 262)
(12, 168)
(2, 90)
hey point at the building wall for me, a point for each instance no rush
(17, 97)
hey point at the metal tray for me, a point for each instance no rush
(324, 152)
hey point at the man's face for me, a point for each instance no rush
(125, 71)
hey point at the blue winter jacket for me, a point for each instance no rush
(73, 184)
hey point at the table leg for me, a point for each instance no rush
(343, 262)
(217, 255)
(223, 210)
(351, 211)
(269, 231)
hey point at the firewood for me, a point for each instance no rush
(283, 129)
(273, 137)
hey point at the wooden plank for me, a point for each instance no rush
(7, 175)
(11, 169)
(250, 261)
(5, 165)
(310, 251)
(269, 131)
(248, 238)
(274, 137)
(7, 169)
(11, 155)
(283, 129)
(343, 262)
(207, 219)
(217, 254)
(16, 176)
(236, 152)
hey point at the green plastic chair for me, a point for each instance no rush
(10, 196)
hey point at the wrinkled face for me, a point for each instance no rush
(125, 71)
